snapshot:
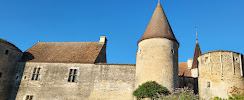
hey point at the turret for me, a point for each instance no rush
(197, 53)
(9, 56)
(220, 74)
(157, 55)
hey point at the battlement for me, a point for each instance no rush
(221, 63)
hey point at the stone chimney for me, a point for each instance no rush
(189, 63)
(103, 39)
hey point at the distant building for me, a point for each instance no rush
(79, 70)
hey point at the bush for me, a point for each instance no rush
(217, 98)
(233, 97)
(151, 90)
(237, 97)
(181, 94)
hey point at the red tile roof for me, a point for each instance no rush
(183, 70)
(63, 52)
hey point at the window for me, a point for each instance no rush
(208, 84)
(0, 74)
(206, 59)
(36, 74)
(6, 52)
(72, 75)
(172, 51)
(29, 97)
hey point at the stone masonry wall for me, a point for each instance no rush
(94, 82)
(157, 60)
(219, 73)
(9, 56)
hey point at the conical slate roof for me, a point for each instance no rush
(197, 53)
(158, 26)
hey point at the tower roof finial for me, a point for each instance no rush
(158, 1)
(196, 35)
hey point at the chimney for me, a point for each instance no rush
(103, 39)
(189, 63)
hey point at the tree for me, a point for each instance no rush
(150, 89)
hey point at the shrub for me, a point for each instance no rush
(181, 94)
(217, 98)
(233, 97)
(236, 97)
(150, 90)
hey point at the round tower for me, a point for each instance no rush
(220, 74)
(157, 55)
(9, 56)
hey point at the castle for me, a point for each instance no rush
(79, 70)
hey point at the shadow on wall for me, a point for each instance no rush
(27, 57)
(17, 80)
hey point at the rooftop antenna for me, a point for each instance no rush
(158, 1)
(196, 35)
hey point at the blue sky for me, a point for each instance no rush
(220, 24)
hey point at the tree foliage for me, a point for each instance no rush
(150, 89)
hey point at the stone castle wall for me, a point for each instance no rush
(94, 82)
(157, 60)
(219, 73)
(9, 56)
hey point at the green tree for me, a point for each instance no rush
(151, 90)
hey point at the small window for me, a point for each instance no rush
(206, 59)
(172, 51)
(36, 74)
(6, 52)
(29, 97)
(208, 84)
(0, 74)
(72, 75)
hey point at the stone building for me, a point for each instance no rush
(9, 56)
(79, 70)
(220, 74)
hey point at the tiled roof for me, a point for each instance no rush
(197, 53)
(183, 70)
(63, 52)
(158, 27)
